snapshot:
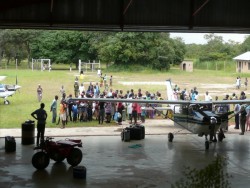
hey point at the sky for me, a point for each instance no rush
(198, 38)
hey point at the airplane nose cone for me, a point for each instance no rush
(213, 120)
(17, 87)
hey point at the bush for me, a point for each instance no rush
(212, 176)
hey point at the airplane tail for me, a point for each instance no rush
(170, 92)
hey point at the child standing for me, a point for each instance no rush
(143, 115)
(75, 112)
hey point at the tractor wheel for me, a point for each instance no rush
(57, 157)
(75, 157)
(170, 137)
(40, 160)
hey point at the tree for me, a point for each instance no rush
(141, 49)
(63, 46)
(245, 46)
(214, 50)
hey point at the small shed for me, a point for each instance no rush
(243, 62)
(187, 66)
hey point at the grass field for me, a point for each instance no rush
(25, 101)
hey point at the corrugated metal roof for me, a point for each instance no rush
(243, 57)
(128, 15)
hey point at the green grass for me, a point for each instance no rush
(25, 101)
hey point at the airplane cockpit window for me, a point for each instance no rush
(2, 88)
(184, 109)
(209, 113)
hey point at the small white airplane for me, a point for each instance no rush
(7, 90)
(199, 117)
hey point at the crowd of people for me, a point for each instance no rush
(106, 111)
(83, 111)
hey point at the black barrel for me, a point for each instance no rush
(80, 172)
(10, 144)
(28, 132)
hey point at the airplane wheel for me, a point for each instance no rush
(207, 145)
(6, 102)
(170, 137)
(220, 136)
(40, 160)
(75, 157)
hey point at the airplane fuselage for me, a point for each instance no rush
(196, 119)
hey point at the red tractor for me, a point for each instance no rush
(57, 151)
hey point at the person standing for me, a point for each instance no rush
(76, 88)
(63, 115)
(134, 112)
(53, 108)
(101, 111)
(246, 83)
(105, 80)
(223, 109)
(81, 88)
(208, 97)
(70, 105)
(74, 112)
(39, 93)
(248, 118)
(111, 81)
(236, 116)
(243, 116)
(40, 115)
(238, 83)
(120, 108)
(108, 109)
(62, 91)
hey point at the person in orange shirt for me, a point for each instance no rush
(62, 113)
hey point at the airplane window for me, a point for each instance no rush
(2, 88)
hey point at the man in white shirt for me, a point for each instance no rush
(208, 97)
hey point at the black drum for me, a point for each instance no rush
(28, 132)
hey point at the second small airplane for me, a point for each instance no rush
(7, 90)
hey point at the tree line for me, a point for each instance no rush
(152, 50)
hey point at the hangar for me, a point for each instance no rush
(219, 16)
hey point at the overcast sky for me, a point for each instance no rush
(198, 38)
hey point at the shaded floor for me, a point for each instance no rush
(112, 163)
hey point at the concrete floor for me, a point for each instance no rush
(111, 163)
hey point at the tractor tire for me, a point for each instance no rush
(40, 160)
(57, 157)
(75, 157)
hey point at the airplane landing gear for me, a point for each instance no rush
(221, 136)
(170, 137)
(207, 144)
(6, 102)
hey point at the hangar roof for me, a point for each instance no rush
(128, 15)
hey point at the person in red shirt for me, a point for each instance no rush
(134, 112)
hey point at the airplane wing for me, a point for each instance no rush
(143, 101)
